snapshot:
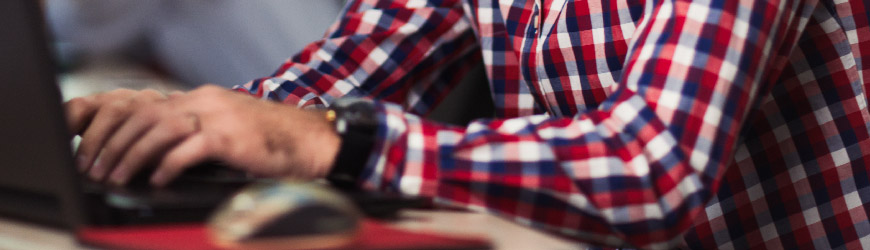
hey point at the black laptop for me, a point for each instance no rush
(37, 178)
(38, 181)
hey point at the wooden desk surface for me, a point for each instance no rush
(504, 234)
(20, 235)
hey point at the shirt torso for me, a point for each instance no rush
(791, 181)
(562, 57)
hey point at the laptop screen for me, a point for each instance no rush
(37, 179)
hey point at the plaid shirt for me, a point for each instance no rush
(708, 124)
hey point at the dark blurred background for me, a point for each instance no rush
(179, 44)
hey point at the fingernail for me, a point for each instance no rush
(97, 171)
(117, 176)
(157, 178)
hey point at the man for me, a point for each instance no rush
(707, 124)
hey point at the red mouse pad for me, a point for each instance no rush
(372, 235)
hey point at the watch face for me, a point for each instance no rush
(340, 126)
(355, 112)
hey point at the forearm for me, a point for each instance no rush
(594, 176)
(377, 49)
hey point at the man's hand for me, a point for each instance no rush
(124, 130)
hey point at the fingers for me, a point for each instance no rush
(79, 112)
(152, 145)
(192, 150)
(111, 113)
(134, 127)
(104, 124)
(175, 94)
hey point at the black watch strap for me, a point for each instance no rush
(356, 123)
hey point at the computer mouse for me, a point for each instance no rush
(285, 215)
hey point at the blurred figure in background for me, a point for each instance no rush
(225, 42)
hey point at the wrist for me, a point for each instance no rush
(322, 144)
(331, 144)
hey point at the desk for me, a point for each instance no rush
(503, 234)
(19, 235)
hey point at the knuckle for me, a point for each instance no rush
(136, 153)
(78, 102)
(118, 107)
(122, 92)
(76, 108)
(173, 164)
(168, 161)
(149, 95)
(88, 140)
(178, 165)
(142, 98)
(91, 138)
(177, 126)
(147, 114)
(113, 147)
(199, 91)
(208, 90)
(211, 87)
(213, 143)
(150, 112)
(85, 148)
(115, 94)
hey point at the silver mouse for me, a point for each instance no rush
(285, 215)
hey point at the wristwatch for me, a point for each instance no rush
(356, 123)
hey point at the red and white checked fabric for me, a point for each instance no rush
(706, 124)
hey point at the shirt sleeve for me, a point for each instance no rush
(396, 51)
(634, 171)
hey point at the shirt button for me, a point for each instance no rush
(535, 21)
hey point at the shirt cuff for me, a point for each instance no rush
(405, 155)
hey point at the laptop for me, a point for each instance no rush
(38, 180)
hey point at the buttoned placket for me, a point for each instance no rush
(537, 45)
(536, 17)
